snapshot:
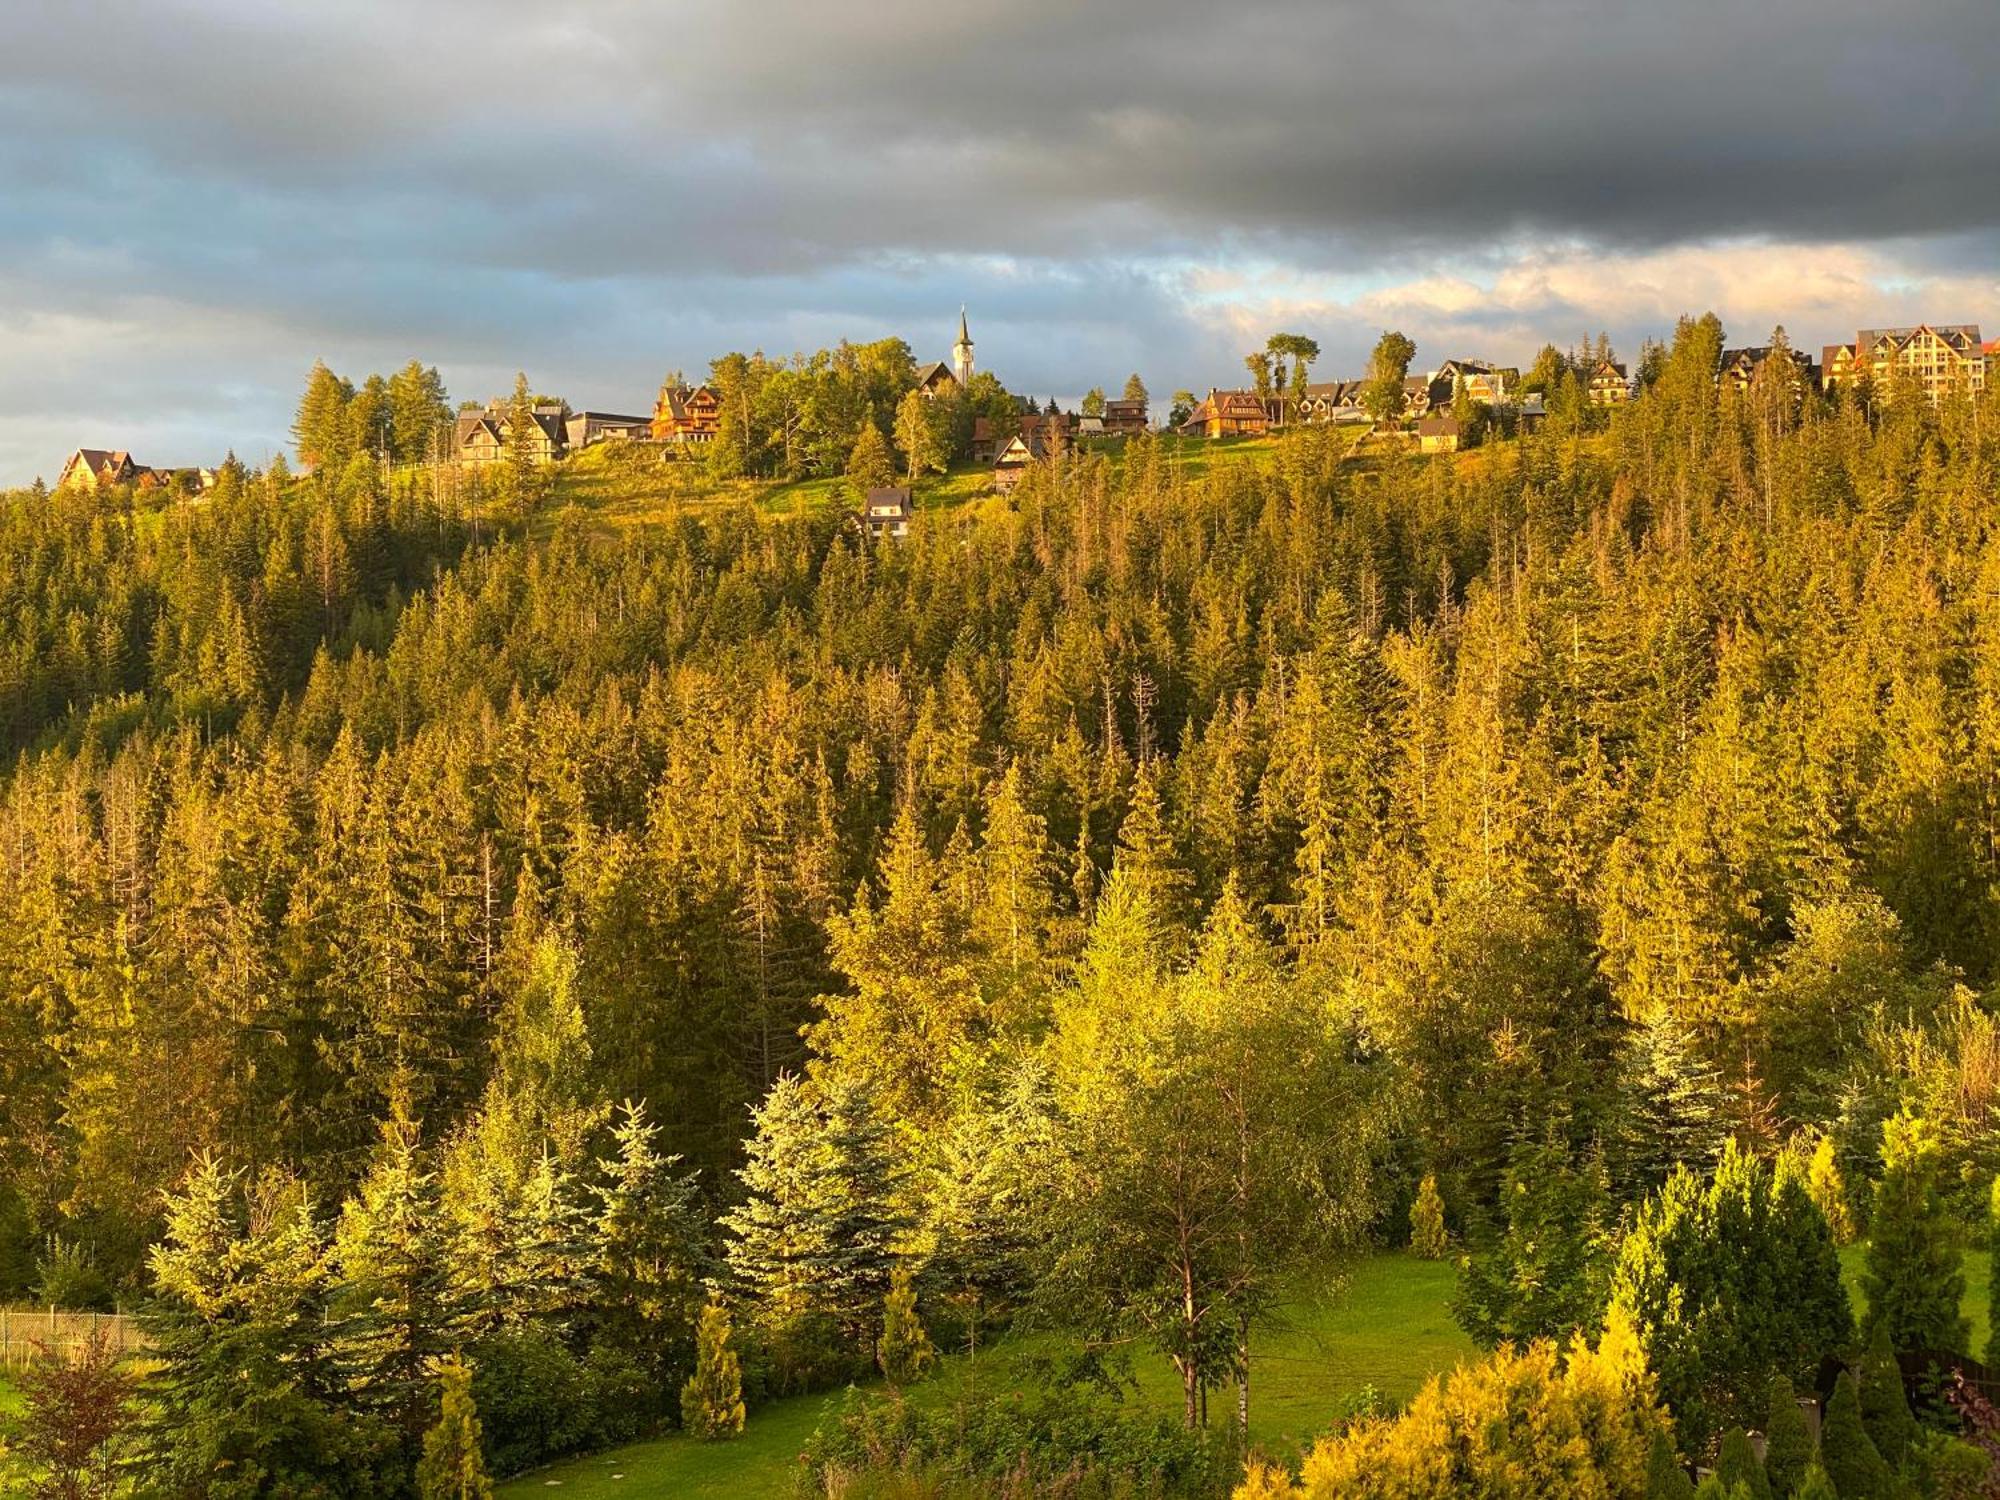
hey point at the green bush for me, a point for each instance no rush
(534, 1400)
(1078, 1442)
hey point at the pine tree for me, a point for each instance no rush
(1885, 1408)
(1427, 1232)
(1736, 1465)
(904, 1351)
(1788, 1444)
(712, 1398)
(1914, 1283)
(452, 1466)
(1815, 1485)
(1853, 1463)
(1829, 1191)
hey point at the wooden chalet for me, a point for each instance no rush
(989, 438)
(100, 468)
(686, 414)
(1014, 458)
(1124, 418)
(1483, 382)
(1609, 384)
(1223, 414)
(485, 437)
(1739, 367)
(935, 379)
(1939, 357)
(887, 512)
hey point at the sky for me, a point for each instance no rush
(200, 197)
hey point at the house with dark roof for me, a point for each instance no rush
(1739, 367)
(484, 437)
(1438, 433)
(99, 468)
(1939, 357)
(887, 512)
(1124, 418)
(1222, 414)
(1016, 455)
(1334, 401)
(989, 437)
(686, 414)
(1483, 382)
(1608, 384)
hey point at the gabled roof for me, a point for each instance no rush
(891, 502)
(934, 372)
(1438, 424)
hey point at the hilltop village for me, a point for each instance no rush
(873, 412)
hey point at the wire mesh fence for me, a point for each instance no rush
(27, 1333)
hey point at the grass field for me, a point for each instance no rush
(1386, 1326)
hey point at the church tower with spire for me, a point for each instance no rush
(961, 353)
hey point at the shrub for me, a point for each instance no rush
(1730, 1282)
(1521, 1423)
(66, 1275)
(1788, 1444)
(712, 1399)
(905, 1353)
(1067, 1441)
(1544, 1275)
(77, 1422)
(452, 1467)
(1853, 1463)
(1427, 1232)
(1737, 1465)
(1885, 1409)
(535, 1397)
(1666, 1477)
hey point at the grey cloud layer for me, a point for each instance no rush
(500, 183)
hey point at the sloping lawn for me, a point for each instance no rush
(1387, 1326)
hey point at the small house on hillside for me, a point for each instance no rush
(1014, 457)
(1223, 414)
(887, 512)
(1124, 418)
(686, 414)
(1438, 433)
(1334, 401)
(484, 437)
(1609, 384)
(99, 468)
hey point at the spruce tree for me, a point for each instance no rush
(1788, 1444)
(649, 1252)
(1737, 1466)
(452, 1466)
(1427, 1232)
(904, 1351)
(1672, 1100)
(712, 1398)
(1853, 1463)
(1914, 1282)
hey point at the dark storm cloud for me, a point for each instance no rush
(638, 184)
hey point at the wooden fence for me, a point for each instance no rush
(26, 1331)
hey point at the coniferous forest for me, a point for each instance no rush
(482, 985)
